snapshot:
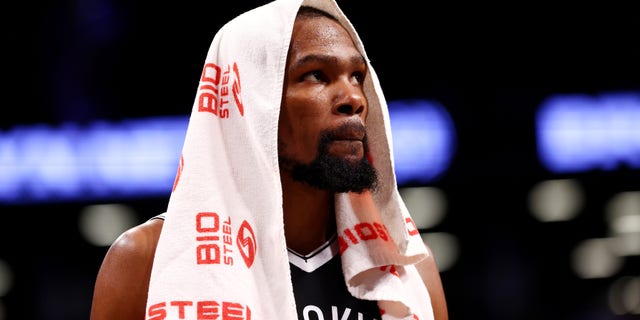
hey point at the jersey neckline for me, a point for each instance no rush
(317, 258)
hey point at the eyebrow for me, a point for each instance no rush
(325, 59)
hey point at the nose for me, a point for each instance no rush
(349, 109)
(350, 100)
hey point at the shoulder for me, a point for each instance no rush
(139, 242)
(122, 283)
(430, 274)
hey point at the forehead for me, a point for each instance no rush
(319, 32)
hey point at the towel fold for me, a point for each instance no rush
(222, 252)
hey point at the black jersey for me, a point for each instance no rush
(320, 290)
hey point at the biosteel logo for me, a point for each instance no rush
(218, 87)
(247, 244)
(215, 240)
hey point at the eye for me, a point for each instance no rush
(314, 76)
(358, 77)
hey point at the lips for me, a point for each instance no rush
(348, 132)
(347, 141)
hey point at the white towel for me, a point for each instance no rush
(222, 252)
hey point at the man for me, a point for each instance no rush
(324, 168)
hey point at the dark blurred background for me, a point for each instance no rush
(83, 61)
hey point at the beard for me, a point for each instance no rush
(332, 173)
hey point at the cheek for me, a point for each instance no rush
(293, 136)
(301, 118)
(302, 140)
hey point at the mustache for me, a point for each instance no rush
(346, 131)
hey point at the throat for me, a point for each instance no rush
(309, 216)
(307, 240)
(308, 230)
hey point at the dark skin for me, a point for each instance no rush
(322, 90)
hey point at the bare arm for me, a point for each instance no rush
(428, 269)
(122, 282)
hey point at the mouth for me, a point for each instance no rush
(348, 132)
(347, 141)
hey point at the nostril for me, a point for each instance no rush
(347, 109)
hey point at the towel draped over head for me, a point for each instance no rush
(222, 252)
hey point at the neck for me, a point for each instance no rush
(309, 216)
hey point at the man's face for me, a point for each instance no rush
(321, 133)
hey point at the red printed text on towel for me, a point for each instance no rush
(360, 232)
(201, 310)
(391, 269)
(215, 238)
(412, 229)
(215, 242)
(218, 87)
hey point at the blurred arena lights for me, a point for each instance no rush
(445, 247)
(139, 157)
(428, 208)
(556, 200)
(101, 224)
(579, 132)
(605, 257)
(624, 295)
(594, 258)
(427, 205)
(424, 140)
(6, 278)
(6, 284)
(598, 258)
(130, 158)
